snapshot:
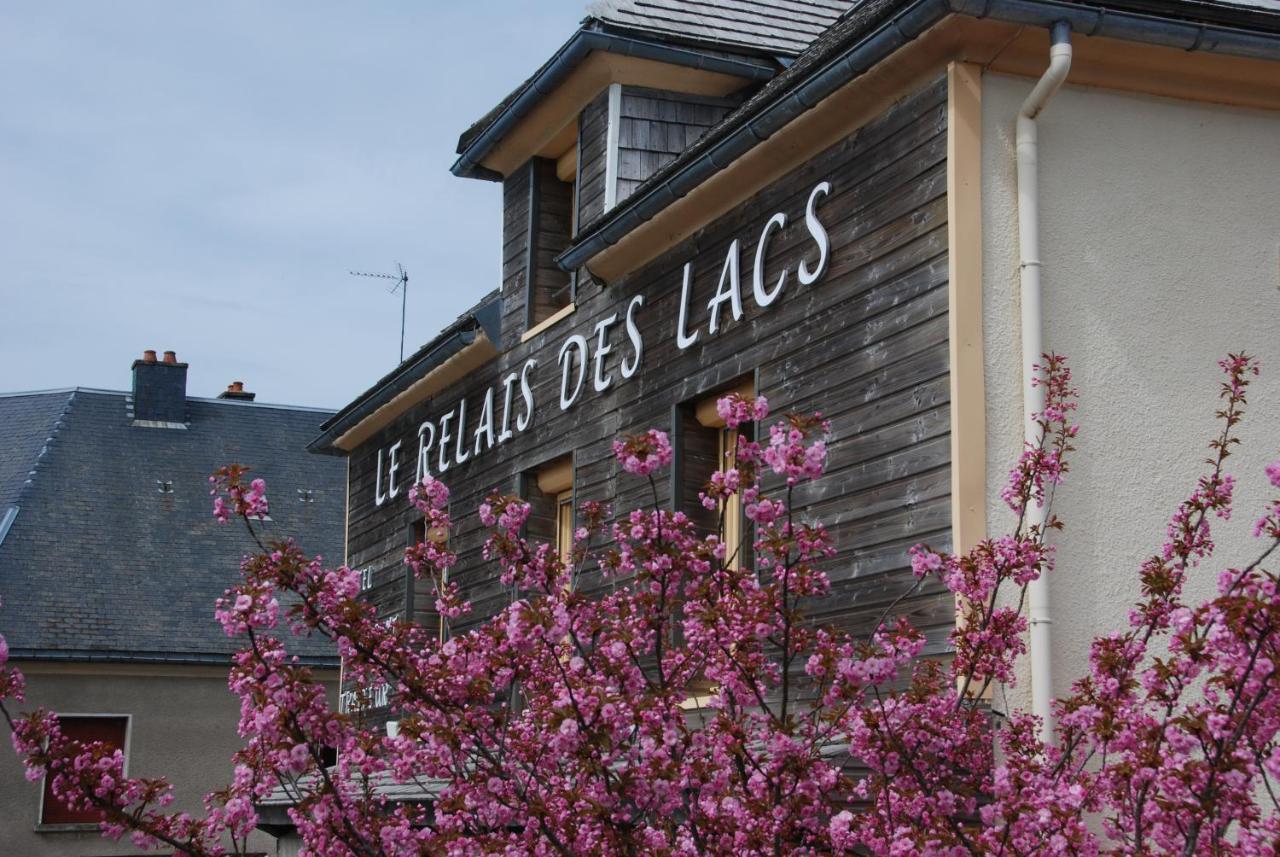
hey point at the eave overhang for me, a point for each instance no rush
(718, 73)
(1185, 25)
(469, 342)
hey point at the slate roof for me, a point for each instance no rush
(781, 27)
(100, 565)
(27, 425)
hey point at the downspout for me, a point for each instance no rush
(1033, 347)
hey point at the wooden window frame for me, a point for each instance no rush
(731, 509)
(77, 826)
(568, 170)
(418, 532)
(556, 479)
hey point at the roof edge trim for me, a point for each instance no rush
(95, 656)
(911, 20)
(566, 59)
(481, 324)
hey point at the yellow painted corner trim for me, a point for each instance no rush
(964, 312)
(562, 313)
(964, 296)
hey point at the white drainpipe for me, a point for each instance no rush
(1033, 345)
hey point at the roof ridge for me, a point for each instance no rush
(54, 427)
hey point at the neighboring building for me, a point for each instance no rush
(673, 162)
(110, 562)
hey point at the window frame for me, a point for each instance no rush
(533, 230)
(43, 826)
(733, 524)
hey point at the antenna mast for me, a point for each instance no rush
(401, 282)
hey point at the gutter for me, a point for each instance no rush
(567, 59)
(99, 657)
(912, 20)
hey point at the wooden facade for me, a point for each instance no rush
(866, 344)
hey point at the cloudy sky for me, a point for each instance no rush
(201, 176)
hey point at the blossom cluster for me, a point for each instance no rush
(659, 690)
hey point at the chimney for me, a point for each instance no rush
(160, 388)
(236, 390)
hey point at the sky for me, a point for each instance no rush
(200, 177)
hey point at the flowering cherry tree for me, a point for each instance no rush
(692, 708)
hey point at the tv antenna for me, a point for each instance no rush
(401, 282)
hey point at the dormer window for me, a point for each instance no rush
(552, 219)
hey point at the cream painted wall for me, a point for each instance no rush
(1161, 247)
(184, 728)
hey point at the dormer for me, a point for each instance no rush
(629, 91)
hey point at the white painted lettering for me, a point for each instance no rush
(579, 344)
(378, 496)
(764, 298)
(630, 367)
(526, 393)
(484, 433)
(393, 485)
(461, 453)
(819, 235)
(684, 340)
(442, 460)
(733, 293)
(508, 385)
(601, 379)
(426, 437)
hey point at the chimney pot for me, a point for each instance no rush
(170, 357)
(236, 390)
(149, 356)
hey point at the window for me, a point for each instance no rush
(549, 491)
(111, 729)
(420, 594)
(549, 291)
(706, 445)
(564, 525)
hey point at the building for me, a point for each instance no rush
(110, 562)
(818, 202)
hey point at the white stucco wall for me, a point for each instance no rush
(1161, 247)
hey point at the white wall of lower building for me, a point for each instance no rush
(1161, 246)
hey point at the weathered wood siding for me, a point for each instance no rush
(866, 345)
(654, 126)
(550, 227)
(515, 255)
(593, 131)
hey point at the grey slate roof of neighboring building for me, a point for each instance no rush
(784, 27)
(99, 564)
(29, 422)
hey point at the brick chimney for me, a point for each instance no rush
(160, 388)
(236, 390)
